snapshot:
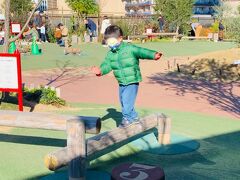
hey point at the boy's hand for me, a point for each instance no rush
(158, 56)
(96, 70)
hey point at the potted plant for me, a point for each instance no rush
(214, 30)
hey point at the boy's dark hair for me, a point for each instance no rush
(113, 31)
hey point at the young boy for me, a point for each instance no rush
(43, 32)
(123, 60)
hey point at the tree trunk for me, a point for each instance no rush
(177, 30)
(7, 24)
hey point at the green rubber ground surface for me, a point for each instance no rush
(93, 54)
(22, 150)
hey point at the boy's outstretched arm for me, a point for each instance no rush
(143, 53)
(105, 68)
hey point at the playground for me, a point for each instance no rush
(204, 112)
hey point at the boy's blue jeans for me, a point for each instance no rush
(127, 95)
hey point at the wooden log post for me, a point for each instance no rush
(76, 148)
(164, 130)
(118, 135)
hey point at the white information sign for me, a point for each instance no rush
(16, 28)
(149, 31)
(8, 73)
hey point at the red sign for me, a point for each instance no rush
(11, 75)
(15, 28)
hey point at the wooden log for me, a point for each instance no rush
(47, 121)
(102, 141)
(57, 159)
(164, 130)
(76, 148)
(107, 139)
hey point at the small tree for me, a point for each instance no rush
(83, 7)
(222, 11)
(7, 7)
(19, 10)
(176, 12)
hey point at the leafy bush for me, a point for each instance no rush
(205, 32)
(50, 34)
(131, 26)
(43, 96)
(233, 28)
(214, 28)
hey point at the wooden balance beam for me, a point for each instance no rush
(92, 146)
(47, 121)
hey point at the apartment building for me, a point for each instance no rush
(139, 7)
(206, 7)
(201, 7)
(61, 8)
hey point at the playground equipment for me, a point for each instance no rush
(47, 121)
(79, 150)
(34, 48)
(12, 47)
(137, 171)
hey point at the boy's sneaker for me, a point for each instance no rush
(136, 120)
(126, 123)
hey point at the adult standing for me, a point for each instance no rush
(221, 31)
(91, 28)
(161, 23)
(105, 24)
(64, 31)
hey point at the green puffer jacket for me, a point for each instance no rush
(125, 63)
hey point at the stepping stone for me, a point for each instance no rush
(133, 171)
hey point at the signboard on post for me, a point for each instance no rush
(15, 28)
(11, 76)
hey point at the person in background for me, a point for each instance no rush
(64, 31)
(2, 34)
(37, 21)
(91, 27)
(105, 24)
(221, 31)
(58, 35)
(161, 23)
(32, 32)
(43, 32)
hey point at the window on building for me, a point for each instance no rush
(52, 4)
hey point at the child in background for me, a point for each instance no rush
(43, 32)
(123, 60)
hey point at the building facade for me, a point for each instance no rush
(139, 7)
(61, 8)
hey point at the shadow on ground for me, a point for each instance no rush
(219, 94)
(113, 114)
(65, 73)
(217, 158)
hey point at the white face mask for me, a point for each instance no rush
(113, 43)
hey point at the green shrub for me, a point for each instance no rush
(50, 34)
(215, 27)
(233, 28)
(131, 26)
(43, 96)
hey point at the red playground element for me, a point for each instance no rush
(18, 88)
